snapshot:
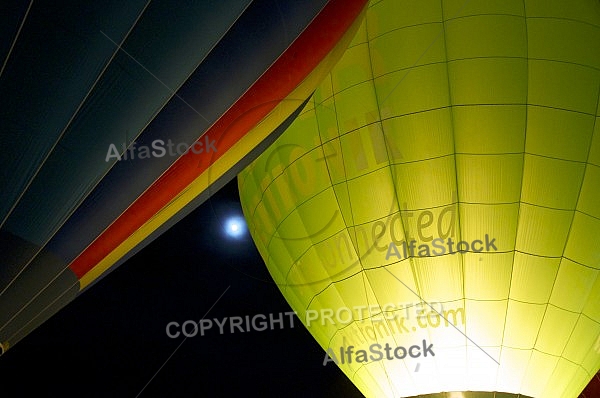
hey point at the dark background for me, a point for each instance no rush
(111, 341)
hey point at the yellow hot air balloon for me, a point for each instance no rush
(433, 215)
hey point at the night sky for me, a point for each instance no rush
(112, 341)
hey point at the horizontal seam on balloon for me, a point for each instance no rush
(549, 303)
(527, 59)
(487, 14)
(581, 264)
(358, 44)
(521, 104)
(329, 284)
(565, 19)
(341, 134)
(451, 60)
(333, 98)
(556, 208)
(560, 257)
(344, 228)
(384, 165)
(371, 38)
(520, 16)
(582, 162)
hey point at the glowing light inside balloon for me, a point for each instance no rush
(235, 227)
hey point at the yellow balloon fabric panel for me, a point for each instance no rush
(433, 215)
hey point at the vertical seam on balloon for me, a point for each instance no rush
(359, 257)
(456, 187)
(366, 278)
(514, 251)
(345, 182)
(393, 178)
(521, 192)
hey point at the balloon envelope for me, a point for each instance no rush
(122, 118)
(433, 214)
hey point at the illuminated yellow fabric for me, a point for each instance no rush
(475, 121)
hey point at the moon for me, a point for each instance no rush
(235, 227)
